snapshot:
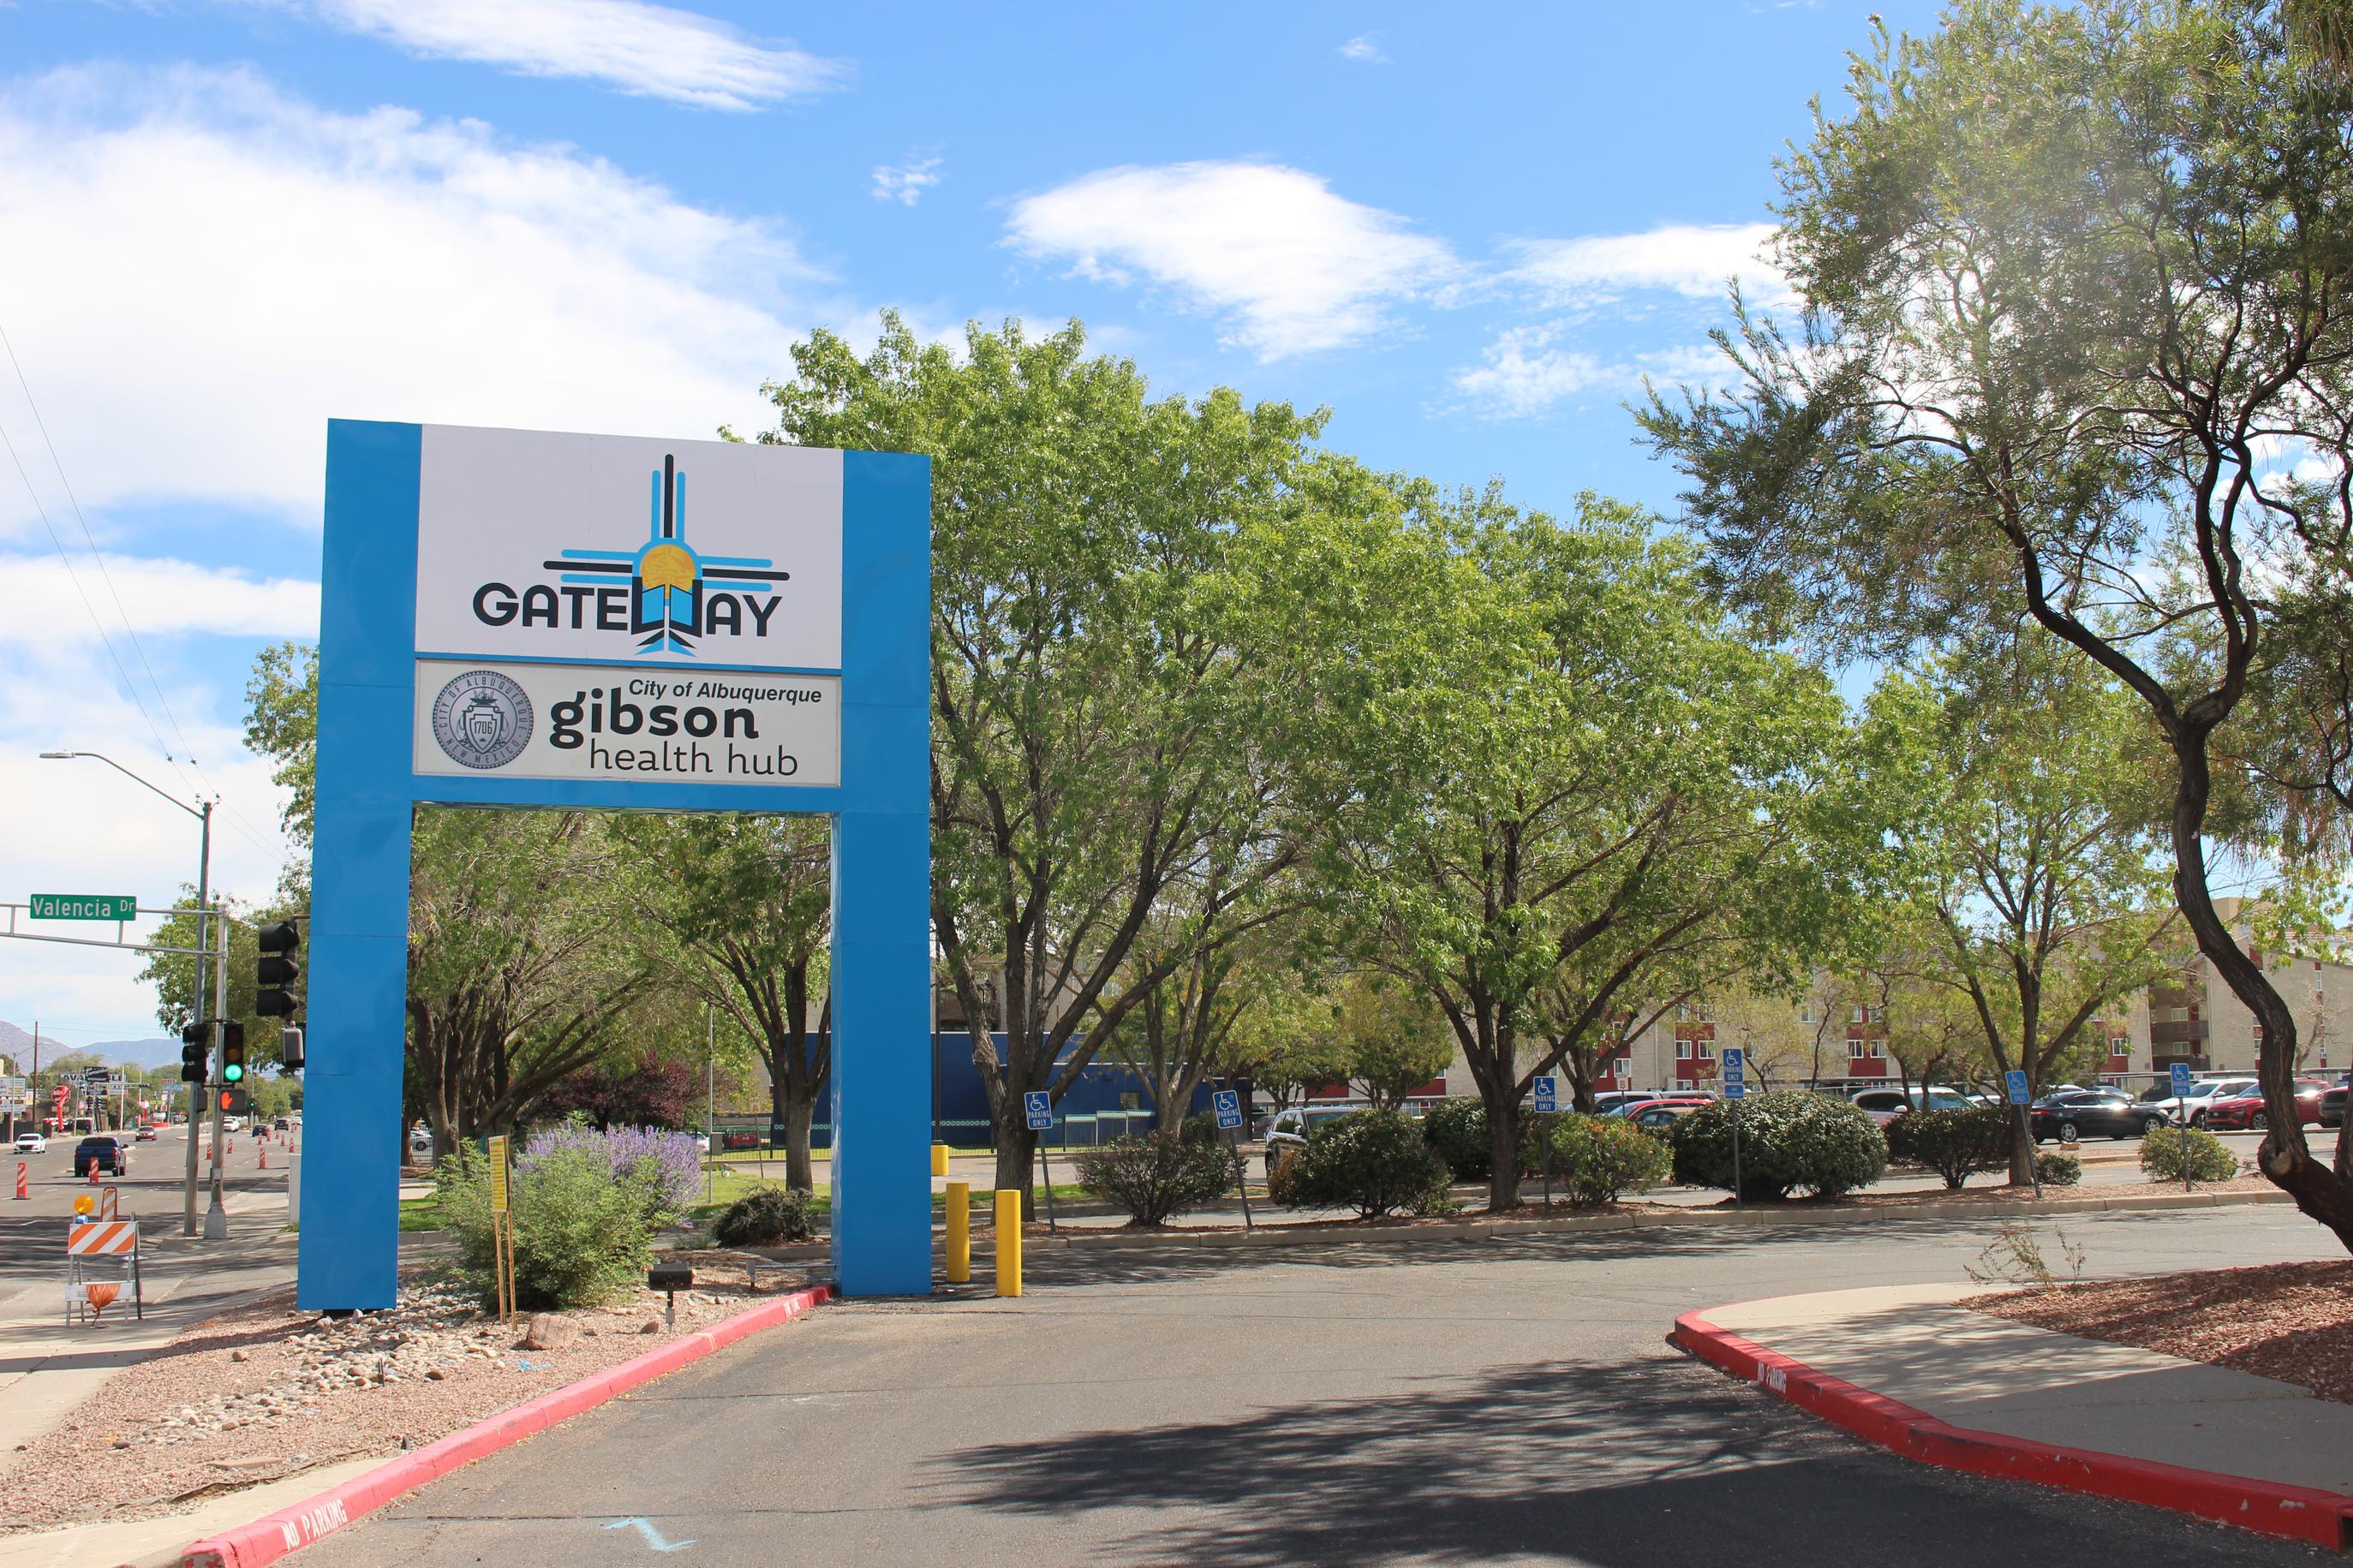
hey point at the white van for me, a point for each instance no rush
(1884, 1105)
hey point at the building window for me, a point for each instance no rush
(1682, 1050)
(1857, 1047)
(1624, 1069)
(1707, 1050)
(1855, 1016)
(1805, 1013)
(1683, 1012)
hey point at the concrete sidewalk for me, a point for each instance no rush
(2083, 1414)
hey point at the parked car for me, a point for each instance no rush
(1661, 1114)
(2191, 1107)
(232, 1123)
(420, 1139)
(1884, 1105)
(32, 1143)
(741, 1138)
(1289, 1128)
(2246, 1111)
(2332, 1107)
(103, 1151)
(281, 1125)
(1632, 1109)
(2103, 1113)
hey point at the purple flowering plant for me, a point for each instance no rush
(670, 1161)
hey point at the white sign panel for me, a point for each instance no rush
(613, 722)
(680, 554)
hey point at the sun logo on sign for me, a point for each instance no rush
(666, 578)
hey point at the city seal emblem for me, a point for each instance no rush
(483, 720)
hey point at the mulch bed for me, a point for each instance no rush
(2292, 1321)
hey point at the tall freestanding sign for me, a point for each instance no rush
(518, 618)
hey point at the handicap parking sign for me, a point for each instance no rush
(2015, 1080)
(1040, 1108)
(1736, 1079)
(1547, 1090)
(1228, 1103)
(2180, 1079)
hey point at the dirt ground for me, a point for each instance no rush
(2293, 1321)
(266, 1391)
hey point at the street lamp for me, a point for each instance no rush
(215, 1217)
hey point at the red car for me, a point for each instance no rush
(2245, 1112)
(1632, 1108)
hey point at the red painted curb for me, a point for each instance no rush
(268, 1538)
(2273, 1508)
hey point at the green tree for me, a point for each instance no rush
(749, 901)
(1546, 772)
(1098, 707)
(2076, 349)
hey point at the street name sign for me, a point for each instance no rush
(1228, 1103)
(83, 906)
(1039, 1106)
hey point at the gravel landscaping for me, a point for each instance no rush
(264, 1391)
(2292, 1321)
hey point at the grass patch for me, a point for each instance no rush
(422, 1213)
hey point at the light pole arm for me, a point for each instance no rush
(126, 772)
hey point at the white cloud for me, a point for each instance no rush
(1365, 49)
(159, 596)
(207, 271)
(905, 183)
(1526, 374)
(1695, 260)
(1290, 266)
(654, 51)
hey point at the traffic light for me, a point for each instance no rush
(235, 1101)
(289, 1050)
(196, 1044)
(277, 969)
(232, 1053)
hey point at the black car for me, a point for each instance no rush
(2332, 1107)
(104, 1152)
(2099, 1113)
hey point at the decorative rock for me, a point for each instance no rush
(241, 1355)
(548, 1331)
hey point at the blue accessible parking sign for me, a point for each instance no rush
(1547, 1093)
(1735, 1073)
(1228, 1103)
(2180, 1079)
(1039, 1106)
(2015, 1081)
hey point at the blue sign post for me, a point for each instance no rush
(1736, 1079)
(2014, 1083)
(516, 618)
(1038, 1110)
(2181, 1077)
(1228, 1104)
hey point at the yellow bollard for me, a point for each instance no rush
(959, 1233)
(939, 1158)
(1009, 1242)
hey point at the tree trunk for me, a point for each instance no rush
(2323, 1194)
(2022, 1147)
(799, 1168)
(1017, 1156)
(1503, 1148)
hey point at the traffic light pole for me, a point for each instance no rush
(216, 1217)
(196, 1001)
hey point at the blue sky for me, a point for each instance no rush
(1467, 231)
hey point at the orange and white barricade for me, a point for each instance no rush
(102, 1259)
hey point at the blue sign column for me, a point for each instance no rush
(368, 787)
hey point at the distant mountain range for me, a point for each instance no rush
(16, 1044)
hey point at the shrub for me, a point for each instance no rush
(1789, 1140)
(1159, 1175)
(1955, 1144)
(1283, 1181)
(2057, 1170)
(765, 1216)
(1373, 1162)
(1457, 1129)
(581, 1235)
(671, 1162)
(2176, 1154)
(1600, 1157)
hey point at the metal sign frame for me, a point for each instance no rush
(369, 786)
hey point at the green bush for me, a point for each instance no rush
(765, 1216)
(1375, 1162)
(1457, 1129)
(1601, 1157)
(2057, 1170)
(1789, 1140)
(1955, 1144)
(2164, 1154)
(582, 1234)
(1157, 1176)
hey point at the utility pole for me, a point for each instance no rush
(216, 1217)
